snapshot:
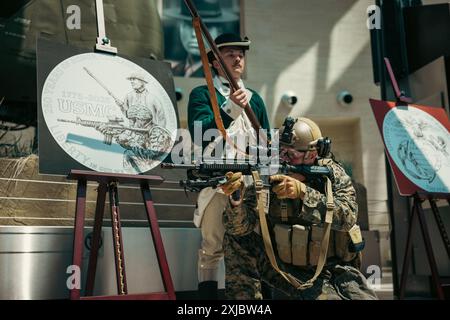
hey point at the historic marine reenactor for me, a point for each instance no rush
(211, 202)
(140, 106)
(305, 242)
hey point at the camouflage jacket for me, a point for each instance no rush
(243, 219)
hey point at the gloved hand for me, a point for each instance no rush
(287, 187)
(234, 182)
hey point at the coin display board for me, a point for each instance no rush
(417, 143)
(103, 112)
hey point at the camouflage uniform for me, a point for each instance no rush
(246, 262)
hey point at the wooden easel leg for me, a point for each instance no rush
(78, 233)
(441, 226)
(408, 250)
(157, 241)
(430, 254)
(96, 236)
(117, 240)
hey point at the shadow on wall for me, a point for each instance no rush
(328, 53)
(308, 56)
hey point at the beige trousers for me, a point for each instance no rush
(212, 229)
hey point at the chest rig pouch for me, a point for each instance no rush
(300, 245)
(291, 237)
(298, 242)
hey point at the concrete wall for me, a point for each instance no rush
(316, 49)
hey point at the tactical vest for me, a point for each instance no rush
(298, 241)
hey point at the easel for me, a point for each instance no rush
(417, 210)
(103, 42)
(108, 183)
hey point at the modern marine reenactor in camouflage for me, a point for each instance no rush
(305, 242)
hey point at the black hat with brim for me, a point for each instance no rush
(229, 40)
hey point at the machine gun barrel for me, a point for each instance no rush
(213, 169)
(177, 166)
(307, 170)
(216, 169)
(140, 130)
(205, 175)
(111, 125)
(84, 123)
(197, 185)
(97, 124)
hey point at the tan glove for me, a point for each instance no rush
(287, 187)
(234, 182)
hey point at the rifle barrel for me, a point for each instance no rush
(177, 166)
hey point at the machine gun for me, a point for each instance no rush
(112, 124)
(213, 174)
(208, 174)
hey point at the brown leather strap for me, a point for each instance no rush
(209, 78)
(212, 90)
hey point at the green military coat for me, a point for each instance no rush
(200, 109)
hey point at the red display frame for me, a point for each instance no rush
(405, 186)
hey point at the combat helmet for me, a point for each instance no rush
(303, 134)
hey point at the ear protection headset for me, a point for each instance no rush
(323, 147)
(322, 144)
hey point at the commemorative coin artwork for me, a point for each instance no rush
(109, 114)
(420, 147)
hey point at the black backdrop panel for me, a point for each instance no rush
(427, 34)
(52, 158)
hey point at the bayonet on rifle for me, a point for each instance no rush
(117, 100)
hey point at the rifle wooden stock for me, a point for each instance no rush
(233, 83)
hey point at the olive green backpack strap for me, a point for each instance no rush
(324, 244)
(326, 234)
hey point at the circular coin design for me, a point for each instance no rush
(420, 147)
(108, 113)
